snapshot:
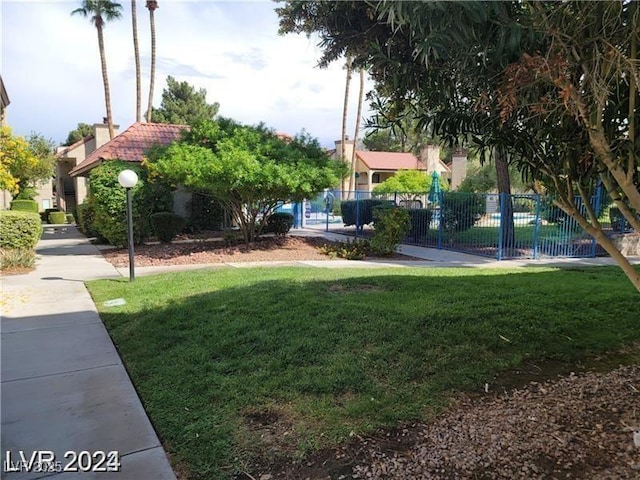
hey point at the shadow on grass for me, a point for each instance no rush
(322, 353)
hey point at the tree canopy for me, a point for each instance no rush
(78, 133)
(248, 168)
(24, 162)
(550, 86)
(183, 105)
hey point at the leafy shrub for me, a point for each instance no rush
(86, 218)
(391, 225)
(19, 229)
(109, 201)
(70, 218)
(420, 219)
(167, 225)
(349, 250)
(28, 193)
(279, 223)
(23, 205)
(205, 213)
(461, 211)
(360, 212)
(17, 258)
(57, 217)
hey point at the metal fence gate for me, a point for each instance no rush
(499, 226)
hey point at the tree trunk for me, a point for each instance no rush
(345, 108)
(506, 204)
(136, 53)
(352, 182)
(152, 5)
(105, 80)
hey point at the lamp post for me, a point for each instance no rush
(128, 179)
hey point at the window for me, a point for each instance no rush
(375, 178)
(46, 203)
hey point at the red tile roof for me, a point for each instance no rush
(131, 144)
(390, 160)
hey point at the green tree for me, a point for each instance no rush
(100, 12)
(81, 131)
(183, 105)
(407, 183)
(249, 169)
(24, 162)
(152, 5)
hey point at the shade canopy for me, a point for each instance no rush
(435, 190)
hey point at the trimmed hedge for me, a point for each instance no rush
(25, 206)
(279, 223)
(166, 225)
(70, 218)
(57, 218)
(86, 218)
(362, 209)
(19, 229)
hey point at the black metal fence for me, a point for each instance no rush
(494, 225)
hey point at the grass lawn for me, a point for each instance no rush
(235, 365)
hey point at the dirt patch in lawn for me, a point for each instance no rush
(581, 424)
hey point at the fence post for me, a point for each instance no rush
(440, 220)
(357, 212)
(501, 226)
(536, 228)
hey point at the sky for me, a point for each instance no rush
(51, 67)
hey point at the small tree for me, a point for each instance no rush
(249, 169)
(407, 183)
(24, 162)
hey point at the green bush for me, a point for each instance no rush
(420, 221)
(279, 223)
(205, 213)
(391, 226)
(86, 218)
(109, 202)
(20, 205)
(70, 218)
(166, 225)
(360, 212)
(461, 211)
(57, 218)
(19, 229)
(17, 258)
(355, 250)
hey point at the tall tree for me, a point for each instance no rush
(81, 131)
(183, 105)
(136, 55)
(345, 110)
(99, 13)
(152, 5)
(352, 179)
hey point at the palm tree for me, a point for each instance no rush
(136, 53)
(152, 5)
(352, 184)
(345, 108)
(100, 12)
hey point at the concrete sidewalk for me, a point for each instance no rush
(64, 387)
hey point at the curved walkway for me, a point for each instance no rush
(64, 387)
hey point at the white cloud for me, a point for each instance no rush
(231, 49)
